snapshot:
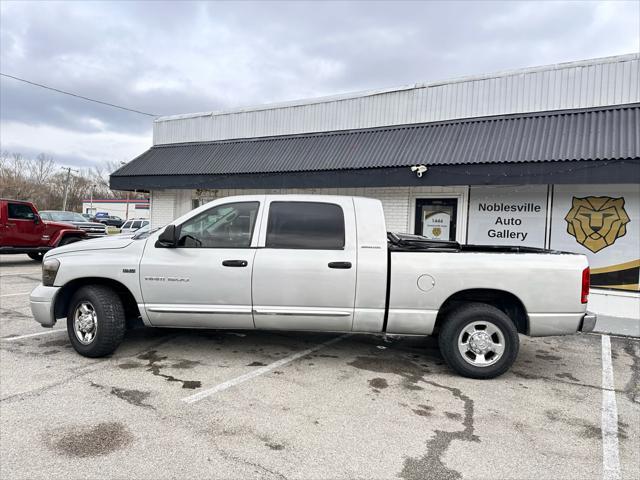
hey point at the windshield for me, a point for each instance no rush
(63, 216)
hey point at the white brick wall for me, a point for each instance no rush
(398, 202)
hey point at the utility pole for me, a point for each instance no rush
(66, 186)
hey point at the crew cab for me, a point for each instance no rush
(22, 230)
(313, 263)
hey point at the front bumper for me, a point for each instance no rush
(588, 322)
(42, 300)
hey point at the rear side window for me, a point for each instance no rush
(135, 225)
(126, 224)
(20, 211)
(308, 225)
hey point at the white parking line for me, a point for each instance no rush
(17, 274)
(259, 371)
(15, 294)
(610, 453)
(49, 332)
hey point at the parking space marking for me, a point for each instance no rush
(259, 371)
(49, 332)
(15, 294)
(610, 452)
(17, 274)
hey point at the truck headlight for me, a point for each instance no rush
(49, 271)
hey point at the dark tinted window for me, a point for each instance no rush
(308, 225)
(225, 226)
(21, 211)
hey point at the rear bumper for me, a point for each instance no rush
(42, 301)
(588, 322)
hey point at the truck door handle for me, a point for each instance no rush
(339, 264)
(234, 263)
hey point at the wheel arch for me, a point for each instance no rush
(505, 301)
(64, 296)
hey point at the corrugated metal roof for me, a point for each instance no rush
(588, 134)
(585, 84)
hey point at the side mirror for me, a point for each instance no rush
(167, 239)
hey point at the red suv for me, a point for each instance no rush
(23, 231)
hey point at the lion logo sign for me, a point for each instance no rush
(596, 222)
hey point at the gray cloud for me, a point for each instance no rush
(170, 58)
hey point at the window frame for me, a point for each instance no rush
(221, 205)
(344, 226)
(9, 217)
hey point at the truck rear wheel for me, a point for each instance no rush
(96, 321)
(478, 340)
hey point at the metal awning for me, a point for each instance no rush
(500, 144)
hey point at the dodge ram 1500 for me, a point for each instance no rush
(321, 263)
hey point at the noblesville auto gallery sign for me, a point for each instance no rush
(508, 215)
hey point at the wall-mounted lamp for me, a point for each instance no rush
(419, 169)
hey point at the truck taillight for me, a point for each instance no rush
(584, 295)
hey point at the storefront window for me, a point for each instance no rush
(436, 218)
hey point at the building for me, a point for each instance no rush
(542, 157)
(120, 207)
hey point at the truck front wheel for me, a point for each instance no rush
(95, 321)
(478, 340)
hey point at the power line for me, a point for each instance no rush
(78, 96)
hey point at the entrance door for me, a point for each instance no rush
(305, 276)
(205, 281)
(436, 218)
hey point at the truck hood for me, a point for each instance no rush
(104, 243)
(61, 225)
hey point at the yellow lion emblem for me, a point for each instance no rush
(596, 222)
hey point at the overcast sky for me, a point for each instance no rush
(169, 58)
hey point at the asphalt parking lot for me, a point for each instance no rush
(220, 404)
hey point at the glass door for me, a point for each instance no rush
(436, 218)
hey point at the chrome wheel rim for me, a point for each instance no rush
(85, 322)
(481, 344)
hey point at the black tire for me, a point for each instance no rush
(37, 256)
(110, 320)
(68, 240)
(473, 316)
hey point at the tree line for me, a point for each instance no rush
(42, 180)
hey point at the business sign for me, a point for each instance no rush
(602, 222)
(508, 215)
(436, 225)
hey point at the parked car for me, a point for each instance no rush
(88, 216)
(133, 225)
(93, 229)
(109, 220)
(322, 263)
(22, 230)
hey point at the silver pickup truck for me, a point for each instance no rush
(310, 262)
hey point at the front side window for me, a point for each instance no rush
(20, 211)
(225, 226)
(127, 224)
(306, 225)
(135, 225)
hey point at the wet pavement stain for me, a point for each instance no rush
(257, 364)
(275, 446)
(92, 441)
(430, 465)
(50, 352)
(378, 383)
(153, 359)
(423, 410)
(185, 364)
(568, 376)
(587, 429)
(129, 365)
(134, 397)
(54, 343)
(549, 357)
(409, 371)
(453, 415)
